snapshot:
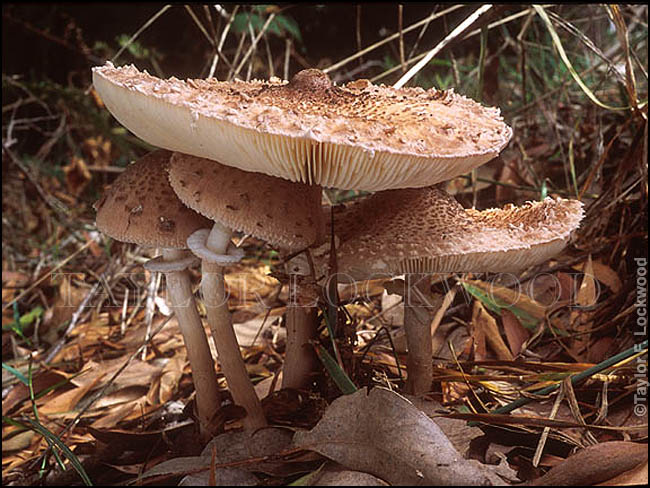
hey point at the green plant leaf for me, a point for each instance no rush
(339, 376)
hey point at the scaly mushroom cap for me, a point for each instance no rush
(141, 207)
(356, 136)
(426, 230)
(285, 214)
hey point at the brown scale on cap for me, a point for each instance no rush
(427, 230)
(286, 214)
(355, 136)
(141, 207)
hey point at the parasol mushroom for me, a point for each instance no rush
(140, 207)
(357, 136)
(283, 213)
(425, 230)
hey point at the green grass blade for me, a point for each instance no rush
(339, 376)
(558, 45)
(51, 438)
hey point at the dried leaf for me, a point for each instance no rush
(483, 320)
(603, 273)
(171, 376)
(383, 434)
(65, 402)
(496, 298)
(596, 464)
(581, 319)
(635, 477)
(345, 477)
(515, 332)
(222, 477)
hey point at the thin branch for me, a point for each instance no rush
(452, 35)
(140, 31)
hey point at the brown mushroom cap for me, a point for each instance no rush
(285, 214)
(426, 230)
(356, 136)
(141, 207)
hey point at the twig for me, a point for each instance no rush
(73, 322)
(140, 31)
(287, 57)
(199, 25)
(452, 35)
(254, 43)
(431, 17)
(46, 274)
(224, 33)
(400, 29)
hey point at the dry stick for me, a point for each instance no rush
(420, 35)
(360, 53)
(46, 274)
(140, 30)
(542, 439)
(471, 34)
(452, 35)
(199, 25)
(254, 43)
(358, 31)
(240, 45)
(103, 390)
(73, 322)
(251, 32)
(150, 306)
(400, 28)
(287, 57)
(269, 56)
(222, 40)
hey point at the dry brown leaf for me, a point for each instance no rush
(516, 334)
(170, 378)
(478, 336)
(595, 464)
(582, 319)
(482, 320)
(77, 175)
(40, 381)
(382, 433)
(121, 396)
(511, 297)
(17, 442)
(333, 476)
(253, 286)
(64, 402)
(603, 273)
(635, 477)
(112, 416)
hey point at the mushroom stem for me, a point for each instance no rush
(302, 327)
(299, 357)
(196, 343)
(418, 312)
(223, 334)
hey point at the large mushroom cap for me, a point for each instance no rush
(141, 207)
(426, 230)
(356, 136)
(285, 214)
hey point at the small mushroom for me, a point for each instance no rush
(425, 230)
(285, 214)
(140, 207)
